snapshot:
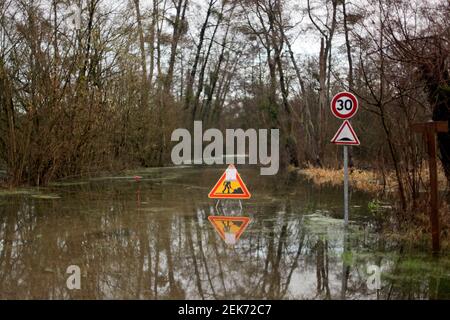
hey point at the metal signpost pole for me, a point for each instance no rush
(344, 106)
(345, 185)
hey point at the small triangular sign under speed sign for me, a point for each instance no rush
(230, 229)
(346, 135)
(230, 186)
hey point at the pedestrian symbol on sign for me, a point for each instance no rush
(230, 186)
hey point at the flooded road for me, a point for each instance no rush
(152, 240)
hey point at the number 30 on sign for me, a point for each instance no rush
(344, 105)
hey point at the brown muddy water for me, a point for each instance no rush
(152, 240)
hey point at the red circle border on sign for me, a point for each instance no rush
(334, 102)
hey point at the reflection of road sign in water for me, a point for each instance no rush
(344, 105)
(230, 186)
(230, 229)
(346, 135)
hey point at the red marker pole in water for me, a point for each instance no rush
(138, 192)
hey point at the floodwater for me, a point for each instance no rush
(152, 240)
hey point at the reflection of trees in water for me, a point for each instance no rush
(322, 269)
(128, 253)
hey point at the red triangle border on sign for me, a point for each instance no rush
(355, 137)
(244, 220)
(245, 195)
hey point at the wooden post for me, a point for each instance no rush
(430, 129)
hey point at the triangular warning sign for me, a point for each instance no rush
(230, 229)
(346, 135)
(230, 186)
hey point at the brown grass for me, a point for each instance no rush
(363, 180)
(418, 228)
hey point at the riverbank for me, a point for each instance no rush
(413, 226)
(363, 180)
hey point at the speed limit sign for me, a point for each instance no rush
(344, 105)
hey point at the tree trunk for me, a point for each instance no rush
(144, 86)
(350, 67)
(192, 74)
(178, 26)
(440, 98)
